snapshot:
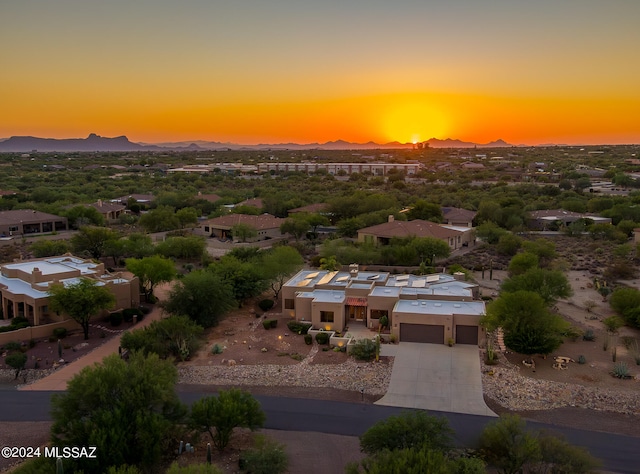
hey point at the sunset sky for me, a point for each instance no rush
(273, 71)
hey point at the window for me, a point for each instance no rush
(289, 304)
(378, 313)
(326, 316)
(13, 228)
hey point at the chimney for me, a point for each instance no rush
(353, 270)
(391, 218)
(99, 202)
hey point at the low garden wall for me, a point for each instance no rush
(36, 332)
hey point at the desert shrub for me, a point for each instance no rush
(364, 349)
(266, 305)
(620, 370)
(144, 309)
(298, 327)
(217, 349)
(627, 341)
(589, 335)
(175, 336)
(274, 323)
(308, 339)
(115, 319)
(322, 338)
(12, 346)
(268, 457)
(129, 313)
(19, 322)
(572, 333)
(582, 360)
(266, 323)
(60, 333)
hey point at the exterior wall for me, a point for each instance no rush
(383, 303)
(303, 309)
(338, 315)
(37, 332)
(289, 293)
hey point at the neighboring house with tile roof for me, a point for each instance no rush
(109, 210)
(381, 234)
(543, 219)
(24, 285)
(28, 221)
(253, 202)
(266, 225)
(458, 217)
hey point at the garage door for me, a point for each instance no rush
(421, 333)
(466, 334)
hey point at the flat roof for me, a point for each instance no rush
(328, 296)
(386, 291)
(472, 308)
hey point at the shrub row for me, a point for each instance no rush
(270, 323)
(19, 322)
(297, 327)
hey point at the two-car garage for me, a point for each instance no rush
(434, 333)
(437, 322)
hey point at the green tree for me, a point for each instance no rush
(490, 232)
(80, 301)
(544, 249)
(408, 430)
(231, 409)
(508, 244)
(16, 361)
(529, 327)
(191, 247)
(507, 446)
(560, 457)
(626, 302)
(522, 263)
(175, 336)
(161, 219)
(425, 210)
(151, 271)
(329, 263)
(296, 227)
(49, 248)
(193, 295)
(551, 285)
(430, 248)
(138, 245)
(279, 264)
(92, 241)
(315, 221)
(245, 278)
(80, 216)
(243, 232)
(129, 410)
(187, 216)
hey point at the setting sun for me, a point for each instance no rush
(412, 120)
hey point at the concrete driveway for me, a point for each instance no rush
(435, 377)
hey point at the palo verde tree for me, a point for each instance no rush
(278, 265)
(129, 410)
(529, 327)
(92, 241)
(231, 409)
(150, 272)
(551, 285)
(80, 301)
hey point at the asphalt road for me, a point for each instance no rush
(620, 454)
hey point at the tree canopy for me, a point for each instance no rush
(551, 285)
(151, 271)
(278, 264)
(529, 327)
(92, 241)
(80, 301)
(129, 410)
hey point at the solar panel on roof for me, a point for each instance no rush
(312, 275)
(304, 282)
(402, 277)
(341, 279)
(419, 283)
(432, 278)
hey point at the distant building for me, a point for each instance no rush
(266, 225)
(544, 219)
(376, 169)
(27, 221)
(381, 234)
(456, 216)
(109, 210)
(24, 286)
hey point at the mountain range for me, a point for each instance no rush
(93, 143)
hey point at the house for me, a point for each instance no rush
(458, 217)
(381, 234)
(24, 285)
(545, 219)
(252, 202)
(27, 221)
(429, 308)
(109, 210)
(208, 197)
(144, 199)
(317, 208)
(266, 225)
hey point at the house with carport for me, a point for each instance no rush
(436, 308)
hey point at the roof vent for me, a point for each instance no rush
(414, 303)
(457, 305)
(437, 305)
(424, 303)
